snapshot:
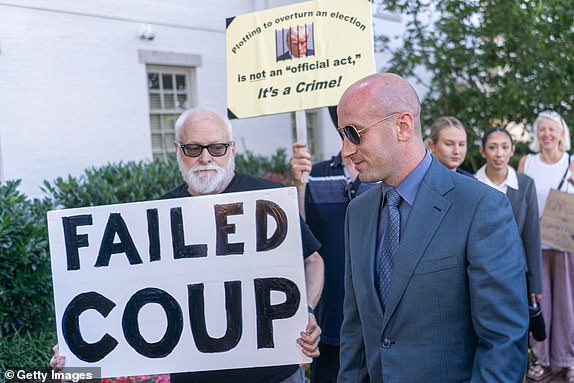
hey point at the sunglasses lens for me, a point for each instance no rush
(217, 150)
(192, 150)
(352, 134)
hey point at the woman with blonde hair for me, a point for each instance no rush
(552, 168)
(447, 143)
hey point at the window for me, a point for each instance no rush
(169, 90)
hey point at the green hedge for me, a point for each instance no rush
(258, 165)
(115, 183)
(25, 278)
(29, 350)
(142, 181)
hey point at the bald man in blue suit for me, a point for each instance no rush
(455, 309)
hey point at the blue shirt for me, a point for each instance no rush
(407, 189)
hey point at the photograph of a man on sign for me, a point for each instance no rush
(295, 42)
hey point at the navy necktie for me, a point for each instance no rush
(390, 244)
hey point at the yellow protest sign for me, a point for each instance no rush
(297, 57)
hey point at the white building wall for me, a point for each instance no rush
(72, 95)
(73, 92)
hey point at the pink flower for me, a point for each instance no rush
(164, 378)
(141, 378)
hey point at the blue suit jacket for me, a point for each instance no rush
(457, 307)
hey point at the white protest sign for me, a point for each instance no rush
(189, 284)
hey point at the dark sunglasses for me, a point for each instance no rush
(194, 150)
(354, 135)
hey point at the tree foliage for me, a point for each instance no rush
(489, 62)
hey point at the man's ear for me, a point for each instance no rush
(405, 127)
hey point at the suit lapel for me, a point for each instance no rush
(427, 213)
(514, 198)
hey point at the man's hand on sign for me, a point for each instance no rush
(58, 361)
(300, 162)
(309, 340)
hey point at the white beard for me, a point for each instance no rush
(207, 183)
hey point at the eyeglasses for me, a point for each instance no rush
(195, 150)
(354, 135)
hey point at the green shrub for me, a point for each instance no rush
(29, 350)
(115, 183)
(142, 181)
(25, 278)
(275, 167)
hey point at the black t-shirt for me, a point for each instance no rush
(275, 374)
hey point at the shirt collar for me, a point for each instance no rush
(511, 180)
(409, 187)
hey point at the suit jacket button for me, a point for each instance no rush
(387, 343)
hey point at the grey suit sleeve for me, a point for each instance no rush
(531, 239)
(497, 287)
(353, 368)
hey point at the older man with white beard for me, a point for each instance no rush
(206, 159)
(211, 170)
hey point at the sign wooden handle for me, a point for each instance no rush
(301, 126)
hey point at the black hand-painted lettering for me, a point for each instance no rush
(73, 240)
(88, 352)
(117, 225)
(223, 247)
(266, 312)
(153, 235)
(264, 208)
(233, 309)
(130, 324)
(180, 249)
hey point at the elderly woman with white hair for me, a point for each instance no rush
(552, 168)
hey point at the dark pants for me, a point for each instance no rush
(325, 368)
